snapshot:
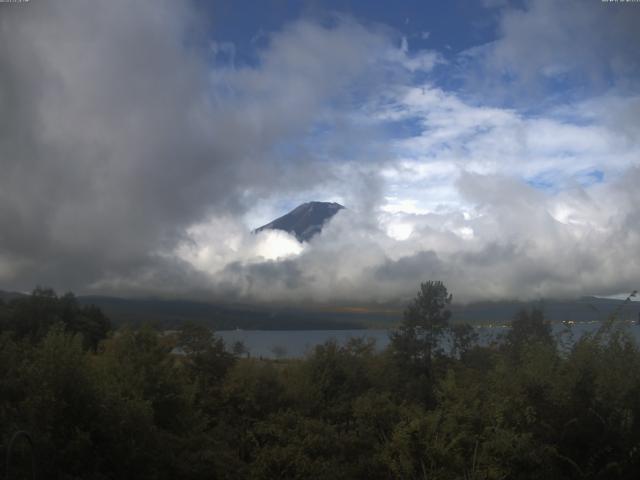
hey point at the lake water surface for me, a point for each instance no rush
(298, 343)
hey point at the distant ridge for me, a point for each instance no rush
(304, 221)
(172, 313)
(224, 316)
(8, 296)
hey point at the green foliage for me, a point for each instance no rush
(31, 317)
(148, 405)
(526, 328)
(417, 342)
(425, 321)
(254, 389)
(463, 339)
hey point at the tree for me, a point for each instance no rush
(528, 327)
(415, 343)
(31, 317)
(463, 339)
(206, 359)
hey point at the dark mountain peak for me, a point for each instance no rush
(305, 220)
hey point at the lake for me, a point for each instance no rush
(297, 343)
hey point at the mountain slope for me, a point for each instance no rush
(7, 296)
(221, 316)
(304, 221)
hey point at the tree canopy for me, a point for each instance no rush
(143, 404)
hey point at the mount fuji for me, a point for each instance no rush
(304, 221)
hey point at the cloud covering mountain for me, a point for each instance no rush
(138, 150)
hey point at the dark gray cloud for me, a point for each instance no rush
(117, 133)
(279, 275)
(413, 268)
(105, 159)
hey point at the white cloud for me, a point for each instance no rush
(516, 242)
(451, 202)
(544, 44)
(132, 164)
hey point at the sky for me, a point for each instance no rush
(493, 145)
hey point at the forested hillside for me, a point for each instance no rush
(104, 404)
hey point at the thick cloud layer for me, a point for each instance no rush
(136, 156)
(107, 148)
(514, 243)
(117, 134)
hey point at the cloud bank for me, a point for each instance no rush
(137, 154)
